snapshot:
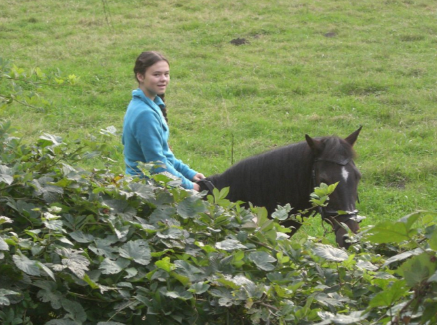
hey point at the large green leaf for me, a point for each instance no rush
(75, 309)
(26, 265)
(74, 260)
(142, 190)
(81, 237)
(390, 295)
(390, 232)
(190, 207)
(43, 187)
(113, 267)
(178, 293)
(137, 250)
(192, 272)
(402, 256)
(48, 293)
(262, 260)
(230, 245)
(102, 247)
(418, 269)
(330, 253)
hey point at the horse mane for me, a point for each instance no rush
(279, 175)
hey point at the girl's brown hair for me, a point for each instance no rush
(143, 62)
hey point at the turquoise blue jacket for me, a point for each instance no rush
(145, 139)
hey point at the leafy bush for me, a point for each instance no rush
(26, 87)
(92, 247)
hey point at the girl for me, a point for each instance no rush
(145, 128)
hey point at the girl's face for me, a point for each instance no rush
(155, 80)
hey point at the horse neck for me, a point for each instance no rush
(289, 168)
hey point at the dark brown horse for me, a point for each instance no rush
(289, 175)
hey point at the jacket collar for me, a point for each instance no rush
(140, 94)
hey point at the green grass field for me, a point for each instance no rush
(307, 67)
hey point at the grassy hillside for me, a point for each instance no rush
(315, 67)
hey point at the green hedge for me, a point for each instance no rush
(93, 247)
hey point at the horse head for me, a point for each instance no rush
(333, 163)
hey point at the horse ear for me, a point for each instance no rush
(315, 145)
(351, 139)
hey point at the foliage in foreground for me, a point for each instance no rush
(91, 247)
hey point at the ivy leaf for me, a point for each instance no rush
(74, 260)
(26, 265)
(102, 247)
(199, 288)
(188, 270)
(121, 208)
(55, 225)
(81, 237)
(131, 272)
(172, 233)
(137, 250)
(262, 260)
(49, 192)
(113, 267)
(48, 293)
(110, 323)
(143, 191)
(330, 253)
(230, 245)
(75, 309)
(178, 293)
(190, 207)
(326, 300)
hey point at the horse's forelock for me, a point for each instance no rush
(336, 148)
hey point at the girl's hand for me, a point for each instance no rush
(198, 177)
(196, 187)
